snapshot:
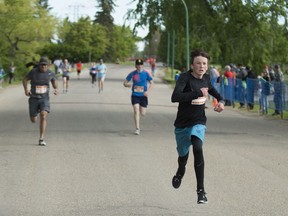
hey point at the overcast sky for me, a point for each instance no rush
(77, 8)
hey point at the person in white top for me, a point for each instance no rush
(101, 74)
(66, 69)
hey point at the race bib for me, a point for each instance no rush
(199, 101)
(41, 89)
(138, 88)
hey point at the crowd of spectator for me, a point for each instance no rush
(239, 83)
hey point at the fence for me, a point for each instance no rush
(268, 95)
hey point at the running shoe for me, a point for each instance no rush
(42, 142)
(202, 199)
(137, 132)
(176, 181)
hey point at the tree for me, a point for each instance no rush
(103, 16)
(122, 43)
(237, 31)
(25, 27)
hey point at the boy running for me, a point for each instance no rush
(191, 92)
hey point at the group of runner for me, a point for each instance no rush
(191, 92)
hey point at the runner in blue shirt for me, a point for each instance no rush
(140, 91)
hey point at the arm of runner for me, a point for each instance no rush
(151, 84)
(219, 106)
(127, 84)
(55, 86)
(25, 84)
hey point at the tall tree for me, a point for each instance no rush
(43, 4)
(103, 16)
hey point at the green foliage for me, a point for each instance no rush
(28, 31)
(122, 43)
(103, 16)
(247, 32)
(25, 27)
(86, 41)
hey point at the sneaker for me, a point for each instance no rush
(202, 199)
(42, 142)
(276, 113)
(137, 132)
(176, 181)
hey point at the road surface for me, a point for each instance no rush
(93, 164)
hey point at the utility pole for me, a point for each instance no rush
(187, 35)
(76, 11)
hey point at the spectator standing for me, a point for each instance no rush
(228, 86)
(251, 82)
(265, 90)
(176, 77)
(241, 85)
(12, 69)
(57, 65)
(2, 75)
(271, 73)
(214, 75)
(278, 89)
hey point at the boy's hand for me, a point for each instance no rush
(219, 107)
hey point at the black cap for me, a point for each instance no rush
(139, 62)
(43, 61)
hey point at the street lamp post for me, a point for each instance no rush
(187, 35)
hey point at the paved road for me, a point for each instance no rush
(95, 165)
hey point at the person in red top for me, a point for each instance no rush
(229, 83)
(79, 68)
(228, 73)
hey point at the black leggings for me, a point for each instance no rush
(198, 162)
(93, 78)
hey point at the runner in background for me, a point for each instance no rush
(79, 68)
(101, 74)
(66, 69)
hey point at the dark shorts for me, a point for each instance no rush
(36, 105)
(67, 77)
(141, 100)
(78, 71)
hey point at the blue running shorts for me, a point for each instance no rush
(183, 137)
